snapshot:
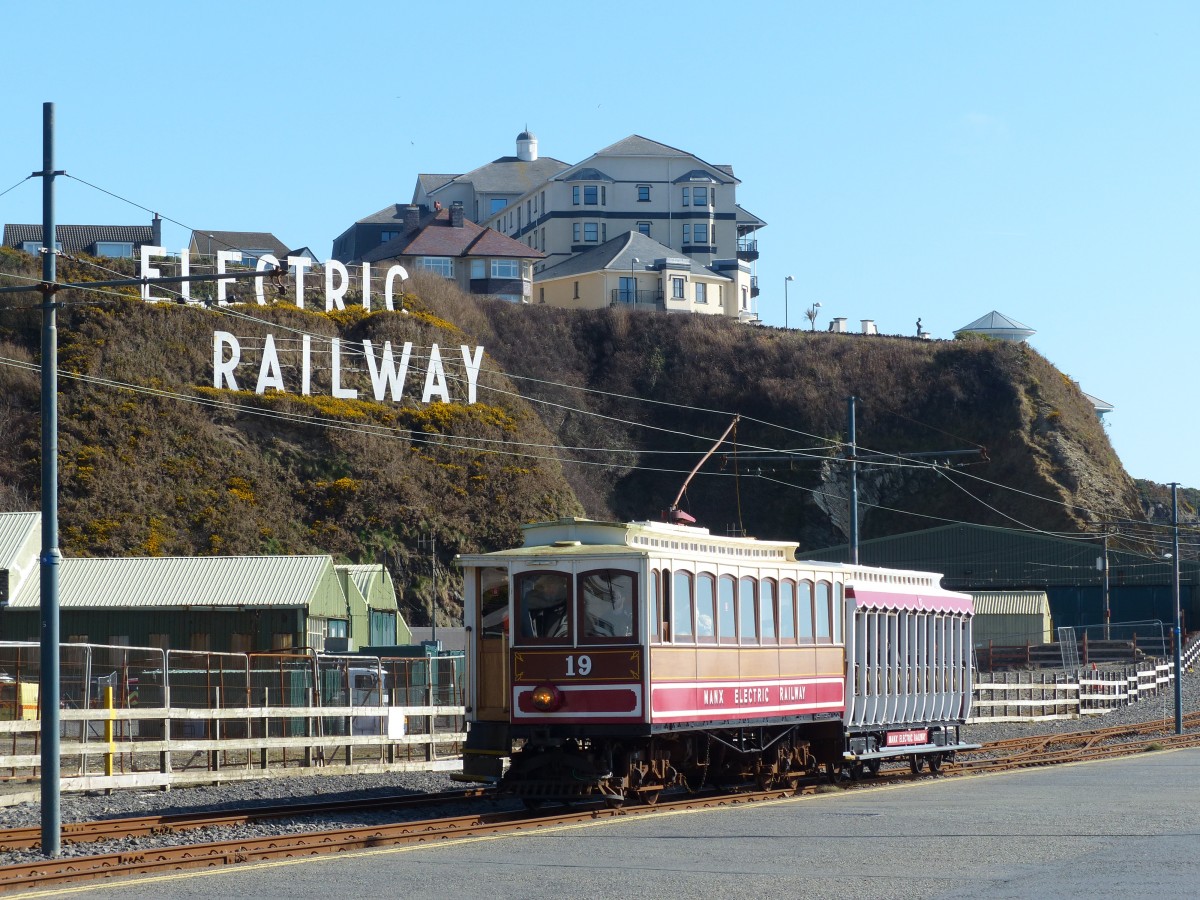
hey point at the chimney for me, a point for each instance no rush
(412, 218)
(456, 214)
(156, 231)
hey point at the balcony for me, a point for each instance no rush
(747, 249)
(643, 298)
(753, 285)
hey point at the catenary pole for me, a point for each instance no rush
(51, 557)
(853, 449)
(1175, 593)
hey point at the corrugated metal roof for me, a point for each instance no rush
(1011, 603)
(15, 532)
(174, 582)
(365, 576)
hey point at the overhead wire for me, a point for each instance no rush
(829, 445)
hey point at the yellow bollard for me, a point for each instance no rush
(108, 731)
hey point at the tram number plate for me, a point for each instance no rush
(908, 737)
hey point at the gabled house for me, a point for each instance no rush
(636, 184)
(487, 190)
(480, 260)
(637, 272)
(111, 241)
(251, 244)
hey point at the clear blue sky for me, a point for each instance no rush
(938, 160)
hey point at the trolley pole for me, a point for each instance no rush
(48, 689)
(1175, 592)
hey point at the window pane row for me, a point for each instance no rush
(701, 608)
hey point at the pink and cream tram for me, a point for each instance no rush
(622, 659)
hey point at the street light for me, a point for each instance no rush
(785, 300)
(633, 279)
(811, 312)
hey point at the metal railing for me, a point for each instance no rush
(144, 716)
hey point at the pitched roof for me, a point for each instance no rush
(365, 576)
(208, 243)
(76, 238)
(431, 182)
(506, 175)
(618, 255)
(999, 325)
(173, 582)
(745, 217)
(437, 237)
(636, 145)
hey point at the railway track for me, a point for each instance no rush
(47, 873)
(140, 826)
(1039, 750)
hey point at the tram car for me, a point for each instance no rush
(617, 660)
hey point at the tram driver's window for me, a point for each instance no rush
(493, 602)
(543, 606)
(608, 600)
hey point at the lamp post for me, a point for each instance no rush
(633, 279)
(785, 300)
(811, 313)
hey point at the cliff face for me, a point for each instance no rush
(155, 461)
(1035, 432)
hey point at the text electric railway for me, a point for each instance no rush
(624, 659)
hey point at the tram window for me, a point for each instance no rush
(824, 634)
(493, 602)
(804, 610)
(544, 607)
(667, 631)
(747, 614)
(706, 609)
(766, 610)
(655, 607)
(787, 612)
(607, 603)
(682, 590)
(726, 614)
(839, 612)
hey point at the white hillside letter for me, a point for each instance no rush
(392, 274)
(223, 369)
(435, 377)
(266, 263)
(334, 294)
(149, 271)
(299, 263)
(269, 372)
(472, 366)
(336, 375)
(387, 375)
(225, 256)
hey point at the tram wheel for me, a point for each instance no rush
(914, 764)
(935, 763)
(873, 767)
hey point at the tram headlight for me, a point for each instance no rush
(546, 698)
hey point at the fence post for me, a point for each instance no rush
(1085, 647)
(214, 755)
(109, 743)
(430, 755)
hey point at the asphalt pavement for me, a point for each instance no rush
(1120, 828)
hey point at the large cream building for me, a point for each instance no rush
(680, 203)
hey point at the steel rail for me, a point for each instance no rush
(140, 826)
(113, 865)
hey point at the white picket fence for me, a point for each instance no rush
(1032, 696)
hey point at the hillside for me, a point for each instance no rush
(635, 397)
